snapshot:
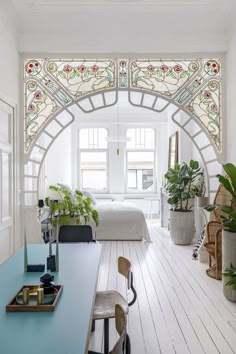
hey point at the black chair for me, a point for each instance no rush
(122, 345)
(75, 233)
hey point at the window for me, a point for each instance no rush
(93, 159)
(140, 158)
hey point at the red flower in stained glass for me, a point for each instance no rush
(36, 64)
(214, 108)
(67, 68)
(31, 107)
(150, 67)
(38, 95)
(207, 94)
(81, 68)
(208, 63)
(214, 65)
(94, 68)
(177, 68)
(164, 68)
(29, 71)
(215, 71)
(123, 63)
(30, 65)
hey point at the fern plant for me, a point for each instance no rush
(69, 206)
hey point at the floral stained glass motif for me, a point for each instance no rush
(164, 76)
(205, 106)
(83, 77)
(123, 73)
(39, 107)
(194, 85)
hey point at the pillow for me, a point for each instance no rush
(90, 195)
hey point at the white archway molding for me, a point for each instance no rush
(139, 98)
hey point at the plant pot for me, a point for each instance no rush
(228, 258)
(202, 201)
(182, 227)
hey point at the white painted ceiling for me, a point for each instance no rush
(129, 26)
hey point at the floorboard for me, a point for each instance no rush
(179, 309)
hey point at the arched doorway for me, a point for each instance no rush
(53, 87)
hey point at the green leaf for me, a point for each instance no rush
(183, 74)
(230, 170)
(226, 183)
(194, 164)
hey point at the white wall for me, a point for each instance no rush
(58, 160)
(9, 91)
(230, 99)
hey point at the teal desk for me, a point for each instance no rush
(67, 329)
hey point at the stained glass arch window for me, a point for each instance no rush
(53, 86)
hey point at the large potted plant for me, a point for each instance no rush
(229, 229)
(183, 184)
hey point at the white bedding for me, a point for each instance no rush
(121, 221)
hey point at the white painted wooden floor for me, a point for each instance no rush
(179, 308)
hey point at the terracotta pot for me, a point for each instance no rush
(228, 258)
(182, 227)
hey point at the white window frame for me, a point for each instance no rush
(127, 150)
(106, 150)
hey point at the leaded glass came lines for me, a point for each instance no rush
(54, 84)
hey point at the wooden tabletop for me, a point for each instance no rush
(67, 329)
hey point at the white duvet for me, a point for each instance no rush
(121, 221)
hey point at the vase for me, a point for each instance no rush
(181, 227)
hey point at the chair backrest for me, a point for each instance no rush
(222, 197)
(75, 233)
(124, 268)
(122, 346)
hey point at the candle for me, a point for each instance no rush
(40, 296)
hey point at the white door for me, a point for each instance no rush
(6, 180)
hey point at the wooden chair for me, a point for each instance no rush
(75, 233)
(214, 234)
(122, 346)
(105, 301)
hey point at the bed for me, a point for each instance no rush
(121, 221)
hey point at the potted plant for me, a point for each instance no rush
(229, 228)
(183, 184)
(67, 208)
(202, 199)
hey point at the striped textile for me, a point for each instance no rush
(199, 243)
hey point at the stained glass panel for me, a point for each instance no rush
(83, 77)
(206, 107)
(39, 107)
(51, 84)
(123, 73)
(164, 76)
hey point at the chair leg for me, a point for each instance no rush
(106, 336)
(93, 326)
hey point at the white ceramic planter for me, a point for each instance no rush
(181, 227)
(228, 258)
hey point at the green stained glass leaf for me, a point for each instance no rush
(72, 75)
(183, 74)
(173, 74)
